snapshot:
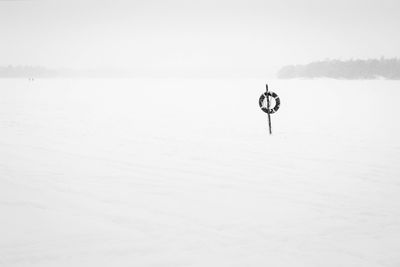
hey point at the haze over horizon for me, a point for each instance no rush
(241, 37)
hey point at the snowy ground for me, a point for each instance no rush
(183, 173)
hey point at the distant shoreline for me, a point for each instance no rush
(370, 69)
(42, 72)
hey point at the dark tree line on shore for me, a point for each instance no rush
(348, 69)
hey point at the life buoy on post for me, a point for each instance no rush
(263, 104)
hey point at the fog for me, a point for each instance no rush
(173, 168)
(243, 38)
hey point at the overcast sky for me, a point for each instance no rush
(244, 37)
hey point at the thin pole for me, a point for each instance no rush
(269, 115)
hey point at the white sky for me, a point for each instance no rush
(244, 37)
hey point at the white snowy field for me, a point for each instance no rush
(183, 173)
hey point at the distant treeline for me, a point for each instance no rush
(348, 69)
(25, 71)
(41, 72)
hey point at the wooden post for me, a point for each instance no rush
(269, 115)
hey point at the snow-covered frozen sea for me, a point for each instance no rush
(183, 173)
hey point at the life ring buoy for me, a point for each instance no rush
(273, 109)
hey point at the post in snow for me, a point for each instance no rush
(265, 104)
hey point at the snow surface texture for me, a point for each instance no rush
(183, 173)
